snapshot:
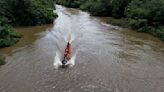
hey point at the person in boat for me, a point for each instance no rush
(66, 54)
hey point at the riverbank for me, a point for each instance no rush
(30, 13)
(18, 13)
(2, 60)
(8, 35)
(118, 22)
(30, 35)
(155, 31)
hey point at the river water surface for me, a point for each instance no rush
(109, 59)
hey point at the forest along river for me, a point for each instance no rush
(109, 59)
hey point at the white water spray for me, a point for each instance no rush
(58, 57)
(62, 33)
(57, 61)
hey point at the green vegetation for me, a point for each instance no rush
(27, 12)
(97, 7)
(118, 8)
(119, 22)
(141, 15)
(22, 13)
(8, 36)
(147, 16)
(70, 3)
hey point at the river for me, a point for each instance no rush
(109, 59)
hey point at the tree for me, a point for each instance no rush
(118, 7)
(27, 12)
(151, 11)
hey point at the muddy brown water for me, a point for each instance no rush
(110, 59)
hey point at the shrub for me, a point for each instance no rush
(150, 10)
(86, 6)
(137, 23)
(118, 7)
(8, 36)
(118, 22)
(97, 7)
(158, 32)
(27, 12)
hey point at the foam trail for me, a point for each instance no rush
(71, 62)
(72, 38)
(57, 61)
(69, 38)
(62, 35)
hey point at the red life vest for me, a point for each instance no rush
(67, 52)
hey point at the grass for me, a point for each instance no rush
(118, 22)
(155, 31)
(8, 36)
